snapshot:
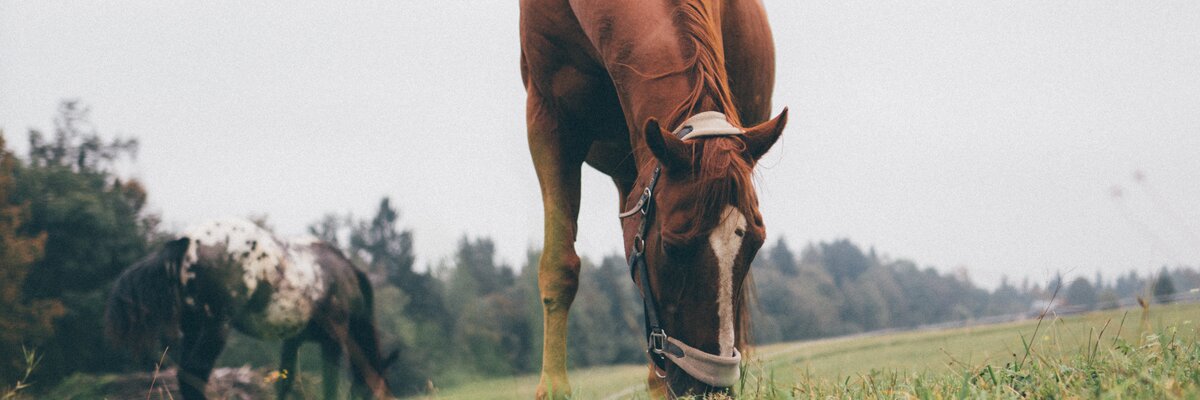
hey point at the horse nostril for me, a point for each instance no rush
(740, 232)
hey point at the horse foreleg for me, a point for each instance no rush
(558, 160)
(203, 340)
(331, 358)
(287, 366)
(365, 361)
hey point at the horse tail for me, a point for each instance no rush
(368, 292)
(144, 302)
(364, 333)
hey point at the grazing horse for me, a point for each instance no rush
(232, 272)
(671, 99)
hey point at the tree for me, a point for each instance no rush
(781, 257)
(1164, 289)
(94, 227)
(23, 322)
(388, 249)
(329, 229)
(606, 321)
(844, 260)
(76, 143)
(1081, 293)
(489, 322)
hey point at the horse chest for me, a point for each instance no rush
(272, 288)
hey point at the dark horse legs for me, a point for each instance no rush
(331, 354)
(364, 359)
(287, 365)
(331, 357)
(203, 339)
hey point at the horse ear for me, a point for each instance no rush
(176, 248)
(668, 149)
(761, 137)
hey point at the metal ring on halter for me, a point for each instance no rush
(639, 244)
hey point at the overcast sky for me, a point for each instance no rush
(969, 133)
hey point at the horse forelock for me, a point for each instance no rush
(724, 177)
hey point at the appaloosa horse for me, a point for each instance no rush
(232, 272)
(603, 79)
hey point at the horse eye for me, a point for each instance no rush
(739, 232)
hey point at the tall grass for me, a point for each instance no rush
(1162, 363)
(31, 361)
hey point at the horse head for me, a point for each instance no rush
(143, 305)
(691, 249)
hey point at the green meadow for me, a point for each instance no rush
(1127, 353)
(1116, 354)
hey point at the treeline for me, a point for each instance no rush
(836, 288)
(69, 225)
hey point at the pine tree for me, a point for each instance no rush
(1164, 289)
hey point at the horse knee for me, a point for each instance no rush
(558, 279)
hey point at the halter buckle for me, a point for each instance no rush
(646, 200)
(658, 340)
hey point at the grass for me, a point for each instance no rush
(1110, 354)
(31, 361)
(1089, 356)
(1118, 354)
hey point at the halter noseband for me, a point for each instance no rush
(712, 369)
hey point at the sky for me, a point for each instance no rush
(969, 135)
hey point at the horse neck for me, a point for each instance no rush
(666, 59)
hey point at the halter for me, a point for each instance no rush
(712, 369)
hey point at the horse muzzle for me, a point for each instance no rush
(713, 370)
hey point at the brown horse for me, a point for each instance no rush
(603, 78)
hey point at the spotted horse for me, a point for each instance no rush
(231, 272)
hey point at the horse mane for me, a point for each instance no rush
(144, 302)
(700, 35)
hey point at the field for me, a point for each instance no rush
(1110, 354)
(1129, 353)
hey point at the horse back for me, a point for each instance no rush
(266, 287)
(584, 55)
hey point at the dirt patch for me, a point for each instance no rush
(241, 383)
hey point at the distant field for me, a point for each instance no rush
(1156, 357)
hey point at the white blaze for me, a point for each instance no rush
(726, 241)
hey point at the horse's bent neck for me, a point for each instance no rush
(666, 59)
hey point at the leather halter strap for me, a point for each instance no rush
(712, 369)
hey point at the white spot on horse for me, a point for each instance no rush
(240, 238)
(726, 242)
(303, 240)
(291, 270)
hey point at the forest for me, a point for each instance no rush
(69, 224)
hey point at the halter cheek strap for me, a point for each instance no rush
(712, 369)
